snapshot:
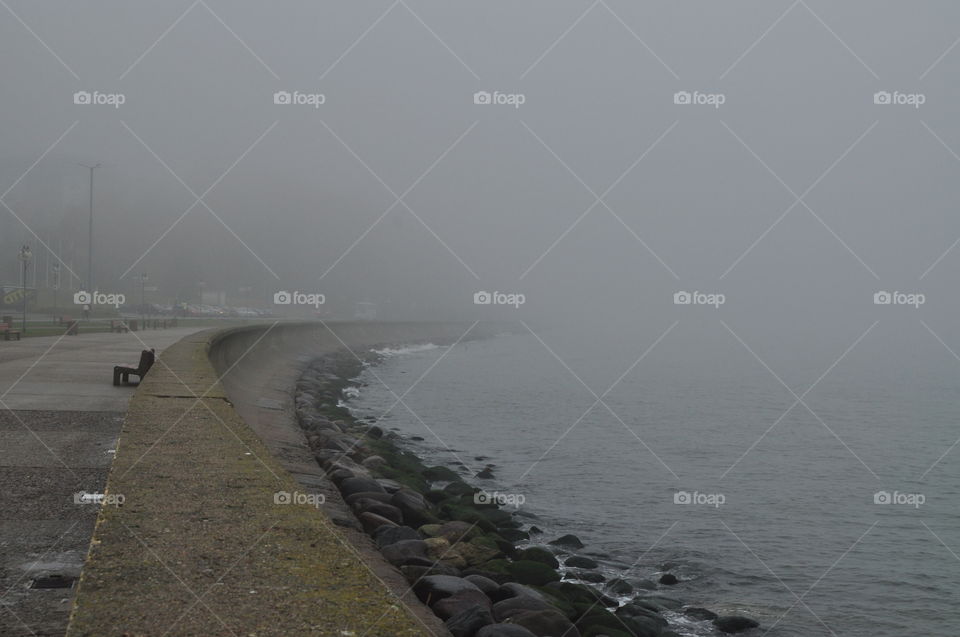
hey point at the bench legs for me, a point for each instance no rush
(121, 375)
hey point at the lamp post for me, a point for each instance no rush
(90, 286)
(56, 288)
(24, 256)
(143, 296)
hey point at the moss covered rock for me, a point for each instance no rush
(478, 550)
(440, 474)
(539, 554)
(530, 572)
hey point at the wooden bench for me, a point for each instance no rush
(122, 374)
(9, 332)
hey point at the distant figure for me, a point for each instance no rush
(86, 312)
(122, 374)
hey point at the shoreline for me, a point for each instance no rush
(483, 568)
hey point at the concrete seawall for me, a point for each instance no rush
(199, 545)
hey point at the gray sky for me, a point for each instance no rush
(700, 195)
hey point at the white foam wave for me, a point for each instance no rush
(405, 349)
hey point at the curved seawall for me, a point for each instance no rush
(192, 540)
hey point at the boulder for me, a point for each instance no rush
(390, 486)
(478, 550)
(642, 620)
(487, 585)
(619, 586)
(661, 602)
(413, 573)
(332, 441)
(430, 530)
(440, 474)
(379, 496)
(586, 576)
(646, 626)
(358, 485)
(734, 623)
(668, 579)
(338, 476)
(374, 462)
(387, 511)
(386, 535)
(504, 630)
(568, 541)
(458, 489)
(645, 585)
(440, 550)
(371, 522)
(413, 506)
(512, 589)
(459, 602)
(400, 553)
(540, 554)
(579, 561)
(545, 623)
(581, 594)
(533, 573)
(503, 609)
(699, 614)
(485, 474)
(456, 530)
(468, 622)
(499, 578)
(436, 587)
(593, 617)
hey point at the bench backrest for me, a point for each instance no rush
(146, 362)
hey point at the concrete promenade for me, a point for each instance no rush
(201, 545)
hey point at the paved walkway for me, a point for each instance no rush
(60, 417)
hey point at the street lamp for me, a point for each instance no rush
(56, 287)
(90, 233)
(143, 296)
(25, 255)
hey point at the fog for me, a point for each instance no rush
(597, 198)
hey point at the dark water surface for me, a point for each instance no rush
(783, 525)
